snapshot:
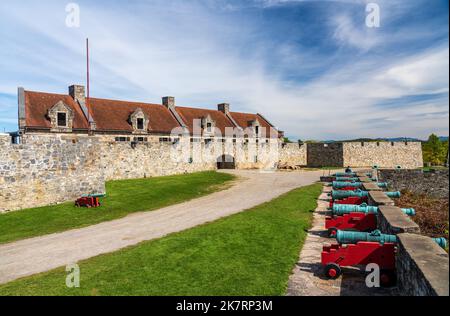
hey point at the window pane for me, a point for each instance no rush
(140, 123)
(62, 119)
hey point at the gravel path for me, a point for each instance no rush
(35, 255)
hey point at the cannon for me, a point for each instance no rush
(351, 237)
(341, 184)
(89, 200)
(341, 194)
(341, 209)
(361, 218)
(362, 249)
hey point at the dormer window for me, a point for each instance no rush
(62, 119)
(140, 123)
(254, 128)
(208, 124)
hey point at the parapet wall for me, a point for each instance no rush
(422, 266)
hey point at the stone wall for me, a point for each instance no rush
(47, 169)
(422, 267)
(293, 154)
(408, 155)
(433, 183)
(47, 172)
(325, 155)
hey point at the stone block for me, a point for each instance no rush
(378, 198)
(391, 220)
(371, 186)
(422, 267)
(365, 179)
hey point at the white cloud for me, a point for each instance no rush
(153, 49)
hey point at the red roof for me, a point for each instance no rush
(244, 120)
(37, 105)
(112, 115)
(188, 115)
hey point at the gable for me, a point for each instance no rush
(38, 104)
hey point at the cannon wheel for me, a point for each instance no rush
(332, 271)
(332, 231)
(388, 278)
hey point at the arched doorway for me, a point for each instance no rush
(226, 162)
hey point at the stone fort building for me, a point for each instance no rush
(68, 145)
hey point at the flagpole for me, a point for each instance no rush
(88, 88)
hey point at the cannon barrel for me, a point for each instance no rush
(351, 237)
(345, 174)
(95, 195)
(441, 241)
(340, 194)
(341, 184)
(351, 179)
(395, 194)
(341, 209)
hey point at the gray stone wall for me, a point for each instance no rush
(47, 172)
(47, 169)
(293, 154)
(325, 155)
(383, 154)
(433, 183)
(422, 267)
(365, 154)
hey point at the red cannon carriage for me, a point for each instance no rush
(364, 222)
(89, 200)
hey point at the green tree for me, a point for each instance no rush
(435, 151)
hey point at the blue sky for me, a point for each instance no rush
(312, 67)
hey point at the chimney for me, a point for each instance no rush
(224, 108)
(78, 93)
(21, 102)
(169, 102)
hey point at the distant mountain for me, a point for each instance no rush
(394, 139)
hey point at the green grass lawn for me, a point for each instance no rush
(250, 253)
(123, 197)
